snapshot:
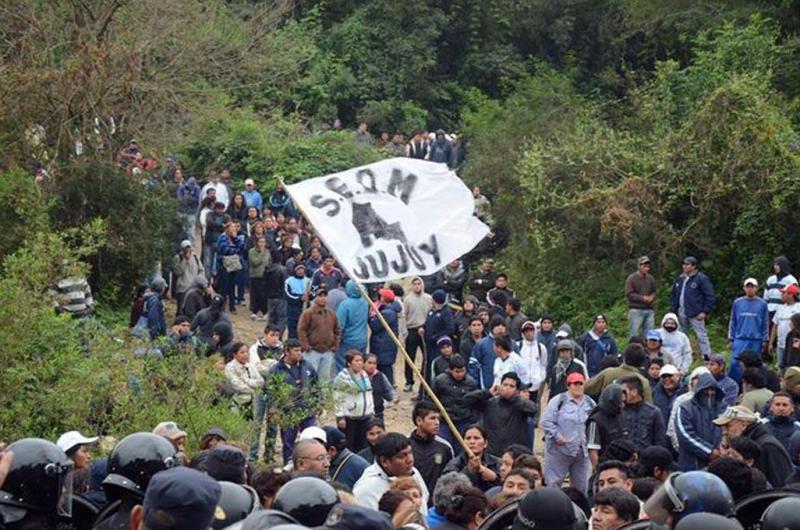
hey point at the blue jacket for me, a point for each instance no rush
(154, 311)
(381, 344)
(230, 247)
(697, 435)
(664, 401)
(481, 362)
(347, 467)
(730, 390)
(301, 377)
(253, 198)
(749, 319)
(188, 195)
(698, 298)
(439, 323)
(595, 348)
(782, 428)
(352, 315)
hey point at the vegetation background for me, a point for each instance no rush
(601, 130)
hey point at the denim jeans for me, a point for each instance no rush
(322, 362)
(699, 327)
(638, 318)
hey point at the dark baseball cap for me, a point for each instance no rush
(546, 508)
(181, 497)
(691, 260)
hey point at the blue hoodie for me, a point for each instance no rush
(697, 435)
(352, 314)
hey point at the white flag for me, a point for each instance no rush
(394, 218)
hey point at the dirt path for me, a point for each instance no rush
(398, 416)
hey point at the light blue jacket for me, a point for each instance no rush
(352, 315)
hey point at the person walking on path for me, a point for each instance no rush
(640, 290)
(417, 304)
(319, 334)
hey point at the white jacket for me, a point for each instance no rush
(353, 400)
(244, 380)
(676, 344)
(374, 482)
(534, 358)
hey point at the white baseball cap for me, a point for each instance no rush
(751, 281)
(668, 369)
(249, 182)
(313, 433)
(69, 440)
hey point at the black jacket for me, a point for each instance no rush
(645, 425)
(459, 464)
(781, 427)
(452, 394)
(605, 423)
(505, 420)
(774, 461)
(431, 455)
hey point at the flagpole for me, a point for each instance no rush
(443, 413)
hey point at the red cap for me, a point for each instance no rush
(388, 294)
(791, 289)
(575, 377)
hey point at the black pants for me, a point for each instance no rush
(258, 295)
(413, 343)
(355, 432)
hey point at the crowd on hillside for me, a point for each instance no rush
(644, 428)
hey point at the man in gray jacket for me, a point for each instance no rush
(417, 303)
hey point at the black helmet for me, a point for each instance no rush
(307, 499)
(237, 502)
(781, 514)
(708, 521)
(40, 479)
(267, 519)
(686, 493)
(134, 461)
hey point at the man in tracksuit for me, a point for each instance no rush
(692, 300)
(431, 453)
(749, 326)
(697, 435)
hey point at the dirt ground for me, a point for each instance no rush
(397, 416)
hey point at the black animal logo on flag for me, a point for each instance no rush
(368, 224)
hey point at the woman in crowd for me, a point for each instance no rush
(238, 208)
(230, 250)
(483, 469)
(466, 509)
(353, 396)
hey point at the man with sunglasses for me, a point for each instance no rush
(640, 290)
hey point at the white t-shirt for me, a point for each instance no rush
(513, 363)
(782, 322)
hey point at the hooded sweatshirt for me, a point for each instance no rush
(352, 314)
(776, 282)
(676, 344)
(697, 434)
(564, 330)
(224, 330)
(195, 299)
(605, 422)
(417, 306)
(204, 321)
(534, 357)
(672, 434)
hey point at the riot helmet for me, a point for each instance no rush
(686, 493)
(307, 499)
(237, 502)
(783, 513)
(39, 479)
(134, 461)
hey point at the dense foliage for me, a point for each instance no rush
(630, 127)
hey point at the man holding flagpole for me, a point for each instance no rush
(395, 218)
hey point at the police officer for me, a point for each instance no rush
(184, 497)
(683, 494)
(133, 462)
(38, 487)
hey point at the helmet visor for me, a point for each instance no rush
(64, 507)
(663, 502)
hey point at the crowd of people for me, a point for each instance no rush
(634, 429)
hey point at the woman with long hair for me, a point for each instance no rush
(483, 468)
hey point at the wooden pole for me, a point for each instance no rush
(442, 412)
